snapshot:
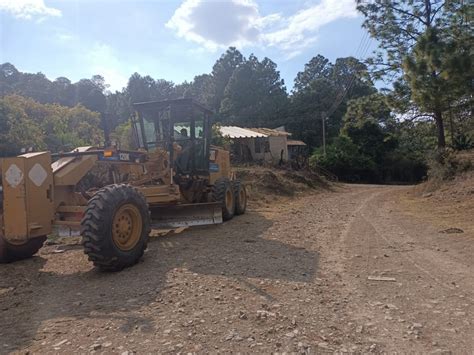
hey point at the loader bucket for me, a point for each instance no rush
(186, 215)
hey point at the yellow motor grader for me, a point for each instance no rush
(113, 197)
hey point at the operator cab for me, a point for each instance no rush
(182, 127)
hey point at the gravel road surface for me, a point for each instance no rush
(346, 270)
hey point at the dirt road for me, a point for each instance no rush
(283, 278)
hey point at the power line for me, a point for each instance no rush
(349, 82)
(345, 87)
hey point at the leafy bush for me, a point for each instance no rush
(344, 159)
(25, 123)
(357, 163)
(462, 142)
(217, 137)
(402, 166)
(17, 131)
(122, 136)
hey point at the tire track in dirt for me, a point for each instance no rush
(422, 308)
(433, 265)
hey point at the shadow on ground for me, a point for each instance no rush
(33, 291)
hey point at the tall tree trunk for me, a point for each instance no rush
(438, 116)
(428, 13)
(451, 125)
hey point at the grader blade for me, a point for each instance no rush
(186, 215)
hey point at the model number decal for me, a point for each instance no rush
(124, 156)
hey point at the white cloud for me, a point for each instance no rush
(214, 24)
(219, 24)
(28, 9)
(298, 31)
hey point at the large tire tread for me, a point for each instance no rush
(240, 206)
(96, 227)
(218, 193)
(10, 253)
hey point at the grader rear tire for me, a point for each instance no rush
(115, 227)
(10, 252)
(223, 193)
(240, 193)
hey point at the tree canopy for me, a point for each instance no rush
(255, 94)
(425, 52)
(427, 46)
(28, 124)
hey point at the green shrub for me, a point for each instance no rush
(462, 141)
(122, 136)
(404, 167)
(217, 137)
(344, 159)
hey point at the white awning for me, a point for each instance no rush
(238, 132)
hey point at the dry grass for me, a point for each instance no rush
(447, 204)
(268, 185)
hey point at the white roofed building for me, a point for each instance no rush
(257, 144)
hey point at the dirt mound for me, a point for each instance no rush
(448, 204)
(460, 187)
(267, 183)
(447, 165)
(457, 181)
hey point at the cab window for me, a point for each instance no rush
(182, 131)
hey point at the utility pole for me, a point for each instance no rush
(323, 120)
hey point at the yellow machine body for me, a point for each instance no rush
(28, 208)
(39, 197)
(220, 159)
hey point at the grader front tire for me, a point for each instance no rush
(10, 252)
(115, 227)
(240, 193)
(222, 192)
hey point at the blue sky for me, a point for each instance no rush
(173, 40)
